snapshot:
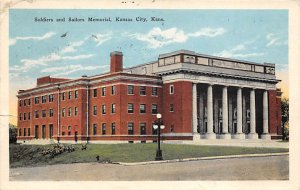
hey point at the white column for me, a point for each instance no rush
(201, 110)
(225, 114)
(195, 111)
(210, 133)
(239, 115)
(265, 134)
(252, 134)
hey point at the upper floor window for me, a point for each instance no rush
(103, 93)
(43, 113)
(143, 90)
(51, 98)
(63, 112)
(94, 110)
(76, 94)
(142, 108)
(154, 91)
(20, 103)
(20, 116)
(130, 89)
(113, 108)
(63, 97)
(69, 111)
(36, 114)
(70, 94)
(24, 102)
(36, 100)
(95, 93)
(171, 89)
(171, 107)
(50, 112)
(113, 90)
(75, 111)
(29, 101)
(43, 99)
(154, 109)
(130, 108)
(104, 109)
(28, 115)
(24, 117)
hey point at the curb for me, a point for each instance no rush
(200, 158)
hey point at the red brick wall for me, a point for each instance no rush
(274, 113)
(116, 62)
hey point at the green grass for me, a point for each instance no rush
(30, 155)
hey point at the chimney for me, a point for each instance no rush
(116, 61)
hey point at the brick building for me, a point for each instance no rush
(199, 97)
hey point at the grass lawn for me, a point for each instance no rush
(30, 155)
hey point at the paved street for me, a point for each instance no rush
(249, 168)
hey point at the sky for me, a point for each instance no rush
(71, 49)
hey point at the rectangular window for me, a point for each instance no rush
(103, 128)
(130, 128)
(63, 96)
(70, 95)
(103, 109)
(20, 116)
(154, 109)
(154, 131)
(43, 99)
(95, 93)
(94, 129)
(76, 94)
(36, 114)
(28, 131)
(113, 128)
(154, 91)
(113, 90)
(94, 110)
(51, 98)
(130, 108)
(69, 130)
(24, 116)
(36, 100)
(29, 101)
(69, 111)
(20, 132)
(130, 89)
(143, 90)
(113, 108)
(143, 128)
(24, 102)
(43, 131)
(50, 131)
(171, 89)
(63, 112)
(103, 91)
(172, 129)
(142, 108)
(36, 131)
(28, 115)
(50, 112)
(43, 113)
(171, 107)
(24, 132)
(75, 111)
(20, 103)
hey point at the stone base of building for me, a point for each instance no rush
(238, 136)
(196, 137)
(252, 136)
(210, 136)
(224, 136)
(265, 136)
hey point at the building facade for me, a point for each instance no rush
(199, 97)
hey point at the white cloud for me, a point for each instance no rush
(101, 38)
(275, 40)
(157, 37)
(13, 41)
(66, 70)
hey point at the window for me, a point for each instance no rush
(24, 102)
(63, 112)
(50, 131)
(94, 129)
(50, 112)
(130, 108)
(69, 130)
(24, 132)
(70, 95)
(24, 117)
(113, 90)
(28, 131)
(36, 100)
(171, 107)
(43, 99)
(69, 111)
(51, 98)
(154, 109)
(76, 94)
(142, 108)
(43, 131)
(36, 131)
(20, 116)
(130, 128)
(63, 97)
(29, 101)
(75, 111)
(20, 103)
(113, 108)
(103, 109)
(143, 90)
(113, 128)
(103, 128)
(172, 128)
(171, 89)
(94, 110)
(28, 115)
(103, 91)
(36, 114)
(95, 93)
(143, 128)
(130, 89)
(154, 91)
(154, 131)
(20, 132)
(43, 113)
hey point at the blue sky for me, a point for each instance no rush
(37, 48)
